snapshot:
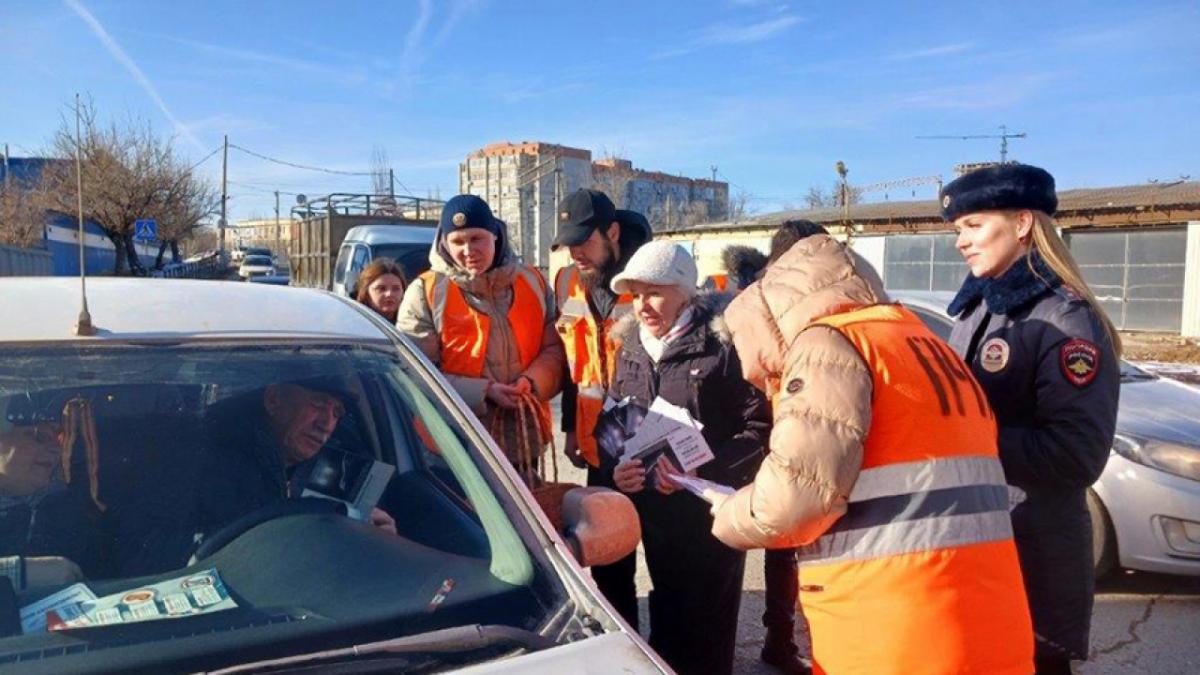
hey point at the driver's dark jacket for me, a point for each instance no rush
(59, 520)
(241, 471)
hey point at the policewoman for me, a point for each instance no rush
(1047, 358)
(487, 321)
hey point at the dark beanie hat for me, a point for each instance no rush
(467, 211)
(464, 211)
(1004, 186)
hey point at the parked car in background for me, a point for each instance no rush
(408, 245)
(256, 265)
(474, 577)
(1146, 506)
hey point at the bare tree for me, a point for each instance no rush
(129, 173)
(612, 176)
(381, 166)
(21, 221)
(817, 198)
(739, 205)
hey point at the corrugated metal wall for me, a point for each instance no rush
(25, 262)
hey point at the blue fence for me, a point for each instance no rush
(25, 262)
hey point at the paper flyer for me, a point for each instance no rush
(669, 428)
(33, 616)
(200, 593)
(356, 481)
(697, 486)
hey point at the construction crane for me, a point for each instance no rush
(1003, 136)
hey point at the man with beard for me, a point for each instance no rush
(601, 239)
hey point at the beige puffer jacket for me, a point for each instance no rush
(490, 293)
(823, 407)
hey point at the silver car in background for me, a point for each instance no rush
(1146, 506)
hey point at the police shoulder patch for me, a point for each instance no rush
(1080, 360)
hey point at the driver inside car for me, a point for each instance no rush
(254, 461)
(278, 448)
(46, 525)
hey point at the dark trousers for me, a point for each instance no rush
(1051, 665)
(782, 590)
(697, 584)
(616, 581)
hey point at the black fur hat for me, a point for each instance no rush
(1004, 186)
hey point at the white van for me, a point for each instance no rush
(408, 245)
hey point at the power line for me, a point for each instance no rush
(301, 166)
(206, 158)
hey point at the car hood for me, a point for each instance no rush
(610, 653)
(1160, 409)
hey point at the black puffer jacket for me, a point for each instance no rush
(700, 371)
(1043, 357)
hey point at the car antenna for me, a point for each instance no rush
(84, 325)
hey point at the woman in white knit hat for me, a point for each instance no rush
(674, 347)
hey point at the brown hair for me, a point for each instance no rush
(1053, 250)
(379, 267)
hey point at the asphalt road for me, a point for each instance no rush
(1142, 623)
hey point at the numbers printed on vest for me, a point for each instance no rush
(939, 362)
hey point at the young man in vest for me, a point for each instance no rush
(883, 469)
(601, 239)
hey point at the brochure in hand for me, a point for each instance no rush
(668, 431)
(356, 481)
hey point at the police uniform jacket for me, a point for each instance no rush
(1043, 358)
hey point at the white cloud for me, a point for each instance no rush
(722, 34)
(930, 52)
(123, 58)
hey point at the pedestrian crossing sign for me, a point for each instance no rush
(145, 229)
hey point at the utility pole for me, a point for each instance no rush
(277, 232)
(224, 198)
(714, 171)
(844, 197)
(6, 165)
(392, 186)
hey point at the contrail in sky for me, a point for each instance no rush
(119, 54)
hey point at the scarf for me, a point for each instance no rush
(1011, 290)
(655, 346)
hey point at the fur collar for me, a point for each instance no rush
(709, 308)
(1029, 278)
(743, 263)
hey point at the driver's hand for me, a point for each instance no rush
(381, 519)
(51, 571)
(572, 451)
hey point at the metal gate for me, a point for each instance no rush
(1137, 275)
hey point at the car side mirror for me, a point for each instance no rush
(601, 525)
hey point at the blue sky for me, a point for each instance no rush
(773, 93)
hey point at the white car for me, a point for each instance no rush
(159, 421)
(256, 266)
(1145, 508)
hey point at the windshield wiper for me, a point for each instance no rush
(448, 640)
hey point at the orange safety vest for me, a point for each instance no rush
(921, 574)
(591, 353)
(717, 282)
(464, 331)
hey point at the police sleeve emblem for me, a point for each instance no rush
(1080, 360)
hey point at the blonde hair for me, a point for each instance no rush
(1053, 250)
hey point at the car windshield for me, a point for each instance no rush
(257, 260)
(245, 494)
(414, 258)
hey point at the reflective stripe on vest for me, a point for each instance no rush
(920, 575)
(591, 352)
(917, 506)
(464, 331)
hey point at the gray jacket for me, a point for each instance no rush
(1042, 356)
